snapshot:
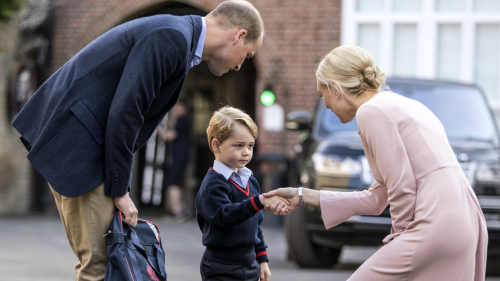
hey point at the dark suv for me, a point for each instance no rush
(330, 157)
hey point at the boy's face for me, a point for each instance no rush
(236, 151)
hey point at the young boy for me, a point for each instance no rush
(228, 205)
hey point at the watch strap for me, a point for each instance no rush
(301, 196)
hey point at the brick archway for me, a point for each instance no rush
(79, 23)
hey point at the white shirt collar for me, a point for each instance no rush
(221, 168)
(245, 172)
(201, 43)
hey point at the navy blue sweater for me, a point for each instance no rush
(229, 218)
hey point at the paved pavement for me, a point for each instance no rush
(35, 248)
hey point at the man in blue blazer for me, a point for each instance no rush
(85, 122)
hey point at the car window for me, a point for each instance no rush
(461, 109)
(330, 122)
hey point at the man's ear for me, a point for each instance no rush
(240, 35)
(215, 145)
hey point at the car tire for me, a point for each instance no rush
(300, 247)
(493, 266)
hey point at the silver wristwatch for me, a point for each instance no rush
(301, 196)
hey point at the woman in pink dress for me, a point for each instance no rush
(438, 229)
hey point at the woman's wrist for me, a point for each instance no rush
(311, 197)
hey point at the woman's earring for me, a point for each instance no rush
(336, 97)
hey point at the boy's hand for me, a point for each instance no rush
(280, 201)
(290, 194)
(265, 273)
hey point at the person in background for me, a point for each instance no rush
(180, 137)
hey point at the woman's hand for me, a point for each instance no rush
(290, 194)
(275, 201)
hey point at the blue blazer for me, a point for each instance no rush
(83, 125)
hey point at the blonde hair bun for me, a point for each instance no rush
(374, 77)
(353, 68)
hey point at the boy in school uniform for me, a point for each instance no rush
(229, 205)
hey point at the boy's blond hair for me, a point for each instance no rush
(223, 119)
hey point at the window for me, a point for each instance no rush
(370, 5)
(368, 39)
(487, 6)
(448, 52)
(450, 5)
(407, 5)
(405, 49)
(487, 59)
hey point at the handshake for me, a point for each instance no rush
(282, 201)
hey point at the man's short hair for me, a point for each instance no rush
(239, 14)
(224, 119)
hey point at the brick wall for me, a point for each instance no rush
(298, 34)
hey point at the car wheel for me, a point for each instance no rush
(493, 266)
(300, 247)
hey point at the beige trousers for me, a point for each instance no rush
(86, 219)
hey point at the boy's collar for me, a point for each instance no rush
(221, 168)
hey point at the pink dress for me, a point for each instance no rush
(438, 229)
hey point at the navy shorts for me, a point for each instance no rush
(214, 271)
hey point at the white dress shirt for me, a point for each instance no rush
(241, 177)
(201, 43)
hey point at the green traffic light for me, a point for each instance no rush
(267, 98)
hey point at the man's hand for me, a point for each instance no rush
(290, 194)
(265, 273)
(170, 135)
(167, 135)
(279, 201)
(129, 211)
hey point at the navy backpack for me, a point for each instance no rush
(134, 253)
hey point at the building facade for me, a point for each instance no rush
(457, 40)
(454, 40)
(297, 34)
